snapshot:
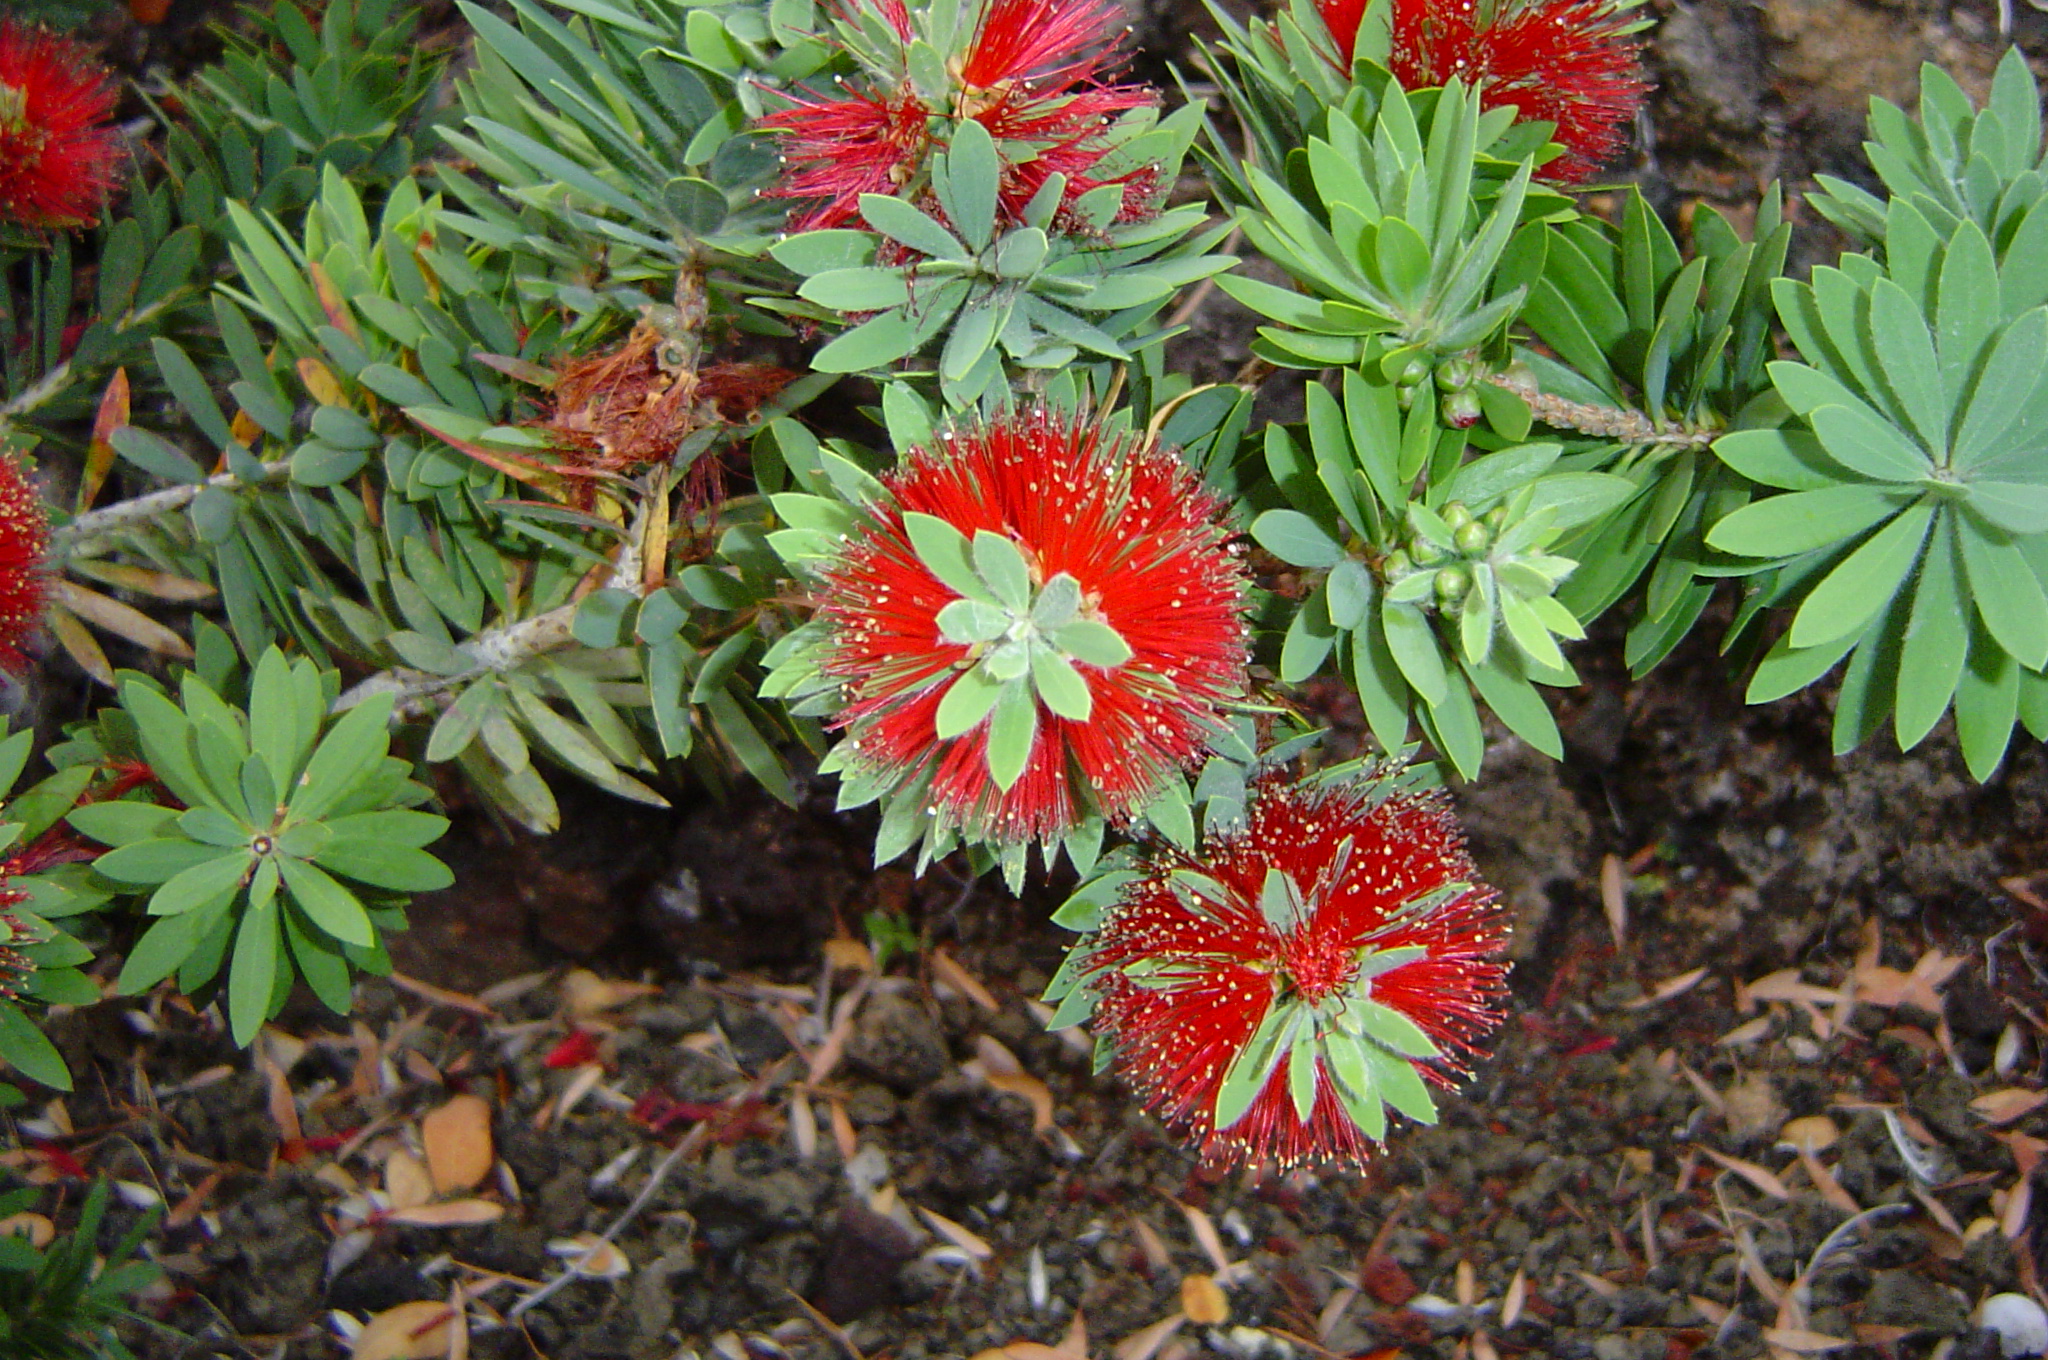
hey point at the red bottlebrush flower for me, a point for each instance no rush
(24, 540)
(1035, 74)
(57, 157)
(1274, 993)
(1565, 62)
(1073, 657)
(1058, 43)
(835, 150)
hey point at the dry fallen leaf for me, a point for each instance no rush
(1518, 1292)
(589, 995)
(590, 1255)
(960, 1237)
(456, 1213)
(1614, 898)
(406, 1182)
(1804, 1342)
(457, 1138)
(1888, 987)
(849, 956)
(1814, 1132)
(954, 975)
(420, 1330)
(1203, 1229)
(1757, 1176)
(1073, 1346)
(1824, 1181)
(1201, 1298)
(1034, 1092)
(36, 1228)
(1150, 1243)
(2002, 1107)
(1143, 1345)
(1667, 989)
(1748, 1032)
(1784, 985)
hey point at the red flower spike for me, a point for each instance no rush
(57, 156)
(1057, 43)
(1565, 62)
(1035, 75)
(24, 540)
(1137, 540)
(1355, 916)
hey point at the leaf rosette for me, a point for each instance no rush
(295, 848)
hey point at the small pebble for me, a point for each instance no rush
(2021, 1325)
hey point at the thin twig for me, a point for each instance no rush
(493, 650)
(95, 528)
(57, 379)
(1605, 422)
(689, 1142)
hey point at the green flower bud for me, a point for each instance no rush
(1397, 566)
(1456, 515)
(1460, 410)
(1451, 585)
(1405, 395)
(1496, 519)
(1426, 553)
(1474, 540)
(1414, 373)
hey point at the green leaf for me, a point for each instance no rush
(1310, 636)
(1281, 903)
(945, 551)
(253, 975)
(867, 289)
(973, 169)
(1060, 686)
(1295, 538)
(1301, 1076)
(326, 903)
(1401, 1086)
(1937, 638)
(1414, 646)
(122, 822)
(153, 861)
(25, 1048)
(1012, 731)
(1350, 589)
(1905, 351)
(352, 749)
(2019, 508)
(1254, 1065)
(1784, 526)
(903, 223)
(967, 622)
(200, 884)
(873, 343)
(1876, 448)
(396, 868)
(1790, 459)
(1345, 1059)
(1003, 569)
(1864, 583)
(2008, 595)
(815, 252)
(1092, 643)
(163, 949)
(1385, 1025)
(1987, 701)
(968, 700)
